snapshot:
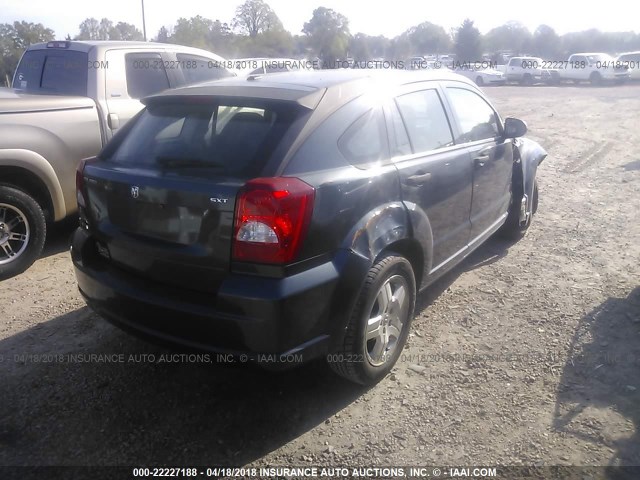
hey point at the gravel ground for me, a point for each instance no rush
(526, 354)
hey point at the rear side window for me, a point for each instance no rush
(426, 120)
(234, 139)
(200, 69)
(145, 74)
(54, 71)
(402, 146)
(362, 144)
(478, 121)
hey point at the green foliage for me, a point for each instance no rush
(92, 29)
(546, 42)
(273, 43)
(468, 43)
(199, 32)
(428, 38)
(125, 31)
(14, 39)
(328, 33)
(194, 32)
(365, 47)
(254, 17)
(511, 36)
(400, 48)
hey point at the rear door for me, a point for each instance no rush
(435, 173)
(161, 201)
(131, 76)
(480, 132)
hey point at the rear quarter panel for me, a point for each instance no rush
(359, 209)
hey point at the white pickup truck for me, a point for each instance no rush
(68, 99)
(526, 70)
(596, 68)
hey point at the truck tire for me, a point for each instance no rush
(527, 79)
(379, 324)
(596, 79)
(22, 231)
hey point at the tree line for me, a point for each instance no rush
(256, 31)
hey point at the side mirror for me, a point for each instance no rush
(514, 127)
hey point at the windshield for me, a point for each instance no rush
(233, 138)
(599, 57)
(53, 71)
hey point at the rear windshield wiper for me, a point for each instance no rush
(185, 162)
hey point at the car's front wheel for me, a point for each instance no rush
(22, 231)
(379, 324)
(512, 228)
(479, 81)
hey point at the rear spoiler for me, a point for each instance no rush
(259, 96)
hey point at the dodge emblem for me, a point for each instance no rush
(135, 192)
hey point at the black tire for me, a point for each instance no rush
(512, 229)
(596, 79)
(357, 360)
(479, 81)
(22, 219)
(527, 79)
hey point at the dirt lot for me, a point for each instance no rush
(525, 354)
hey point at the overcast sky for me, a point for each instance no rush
(64, 16)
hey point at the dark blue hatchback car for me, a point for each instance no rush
(297, 215)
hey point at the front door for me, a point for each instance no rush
(491, 156)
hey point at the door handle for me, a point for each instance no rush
(481, 160)
(483, 157)
(418, 179)
(113, 121)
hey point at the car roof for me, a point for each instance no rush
(308, 87)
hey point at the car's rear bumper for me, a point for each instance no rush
(298, 317)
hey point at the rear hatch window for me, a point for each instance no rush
(161, 198)
(55, 71)
(231, 138)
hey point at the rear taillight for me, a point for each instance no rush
(272, 216)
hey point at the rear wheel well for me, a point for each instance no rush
(28, 182)
(411, 250)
